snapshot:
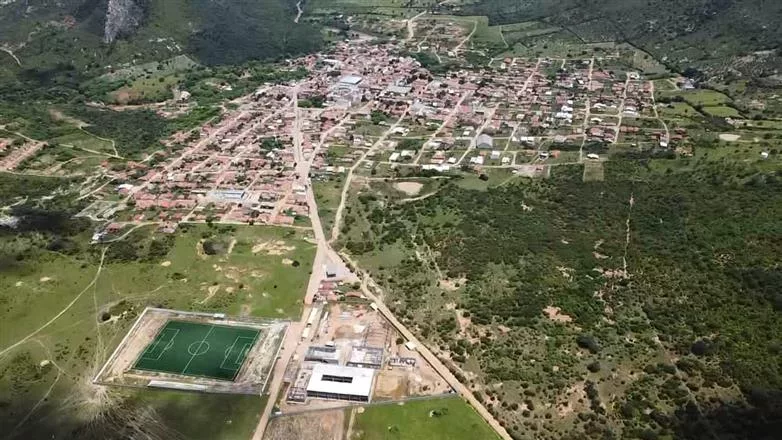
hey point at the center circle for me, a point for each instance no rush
(197, 348)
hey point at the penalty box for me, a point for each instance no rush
(196, 351)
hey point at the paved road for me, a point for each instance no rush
(326, 253)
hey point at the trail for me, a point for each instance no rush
(451, 115)
(627, 234)
(62, 312)
(349, 178)
(621, 109)
(467, 38)
(113, 143)
(95, 190)
(502, 35)
(38, 403)
(129, 231)
(411, 27)
(300, 11)
(587, 112)
(657, 114)
(11, 53)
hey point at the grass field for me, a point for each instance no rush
(196, 349)
(328, 195)
(78, 311)
(722, 111)
(436, 419)
(85, 141)
(702, 97)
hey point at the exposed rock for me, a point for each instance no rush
(122, 18)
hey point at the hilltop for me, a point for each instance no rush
(722, 37)
(83, 32)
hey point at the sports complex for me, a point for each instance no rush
(195, 351)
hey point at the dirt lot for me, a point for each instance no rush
(325, 425)
(409, 188)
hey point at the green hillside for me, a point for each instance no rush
(215, 32)
(721, 36)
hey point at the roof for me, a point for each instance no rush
(350, 79)
(357, 381)
(399, 90)
(484, 139)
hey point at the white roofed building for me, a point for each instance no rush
(341, 383)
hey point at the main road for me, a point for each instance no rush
(325, 253)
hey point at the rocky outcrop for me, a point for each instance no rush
(122, 18)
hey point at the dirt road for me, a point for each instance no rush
(346, 188)
(441, 369)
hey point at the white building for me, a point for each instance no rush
(341, 383)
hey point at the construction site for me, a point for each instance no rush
(350, 355)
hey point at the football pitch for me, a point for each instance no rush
(202, 350)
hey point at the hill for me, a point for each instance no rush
(88, 32)
(722, 37)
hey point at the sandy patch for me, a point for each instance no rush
(59, 116)
(287, 261)
(231, 246)
(574, 399)
(165, 263)
(45, 279)
(409, 188)
(728, 137)
(464, 322)
(608, 273)
(391, 385)
(200, 249)
(566, 272)
(272, 247)
(230, 289)
(451, 285)
(280, 311)
(18, 284)
(554, 314)
(212, 292)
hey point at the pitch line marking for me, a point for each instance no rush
(202, 341)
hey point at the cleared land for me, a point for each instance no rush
(437, 419)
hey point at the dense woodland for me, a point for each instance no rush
(699, 296)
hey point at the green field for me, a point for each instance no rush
(699, 97)
(195, 349)
(437, 419)
(79, 310)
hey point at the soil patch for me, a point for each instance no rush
(409, 188)
(554, 314)
(277, 247)
(212, 292)
(728, 137)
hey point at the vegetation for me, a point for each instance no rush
(657, 262)
(49, 267)
(436, 419)
(685, 35)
